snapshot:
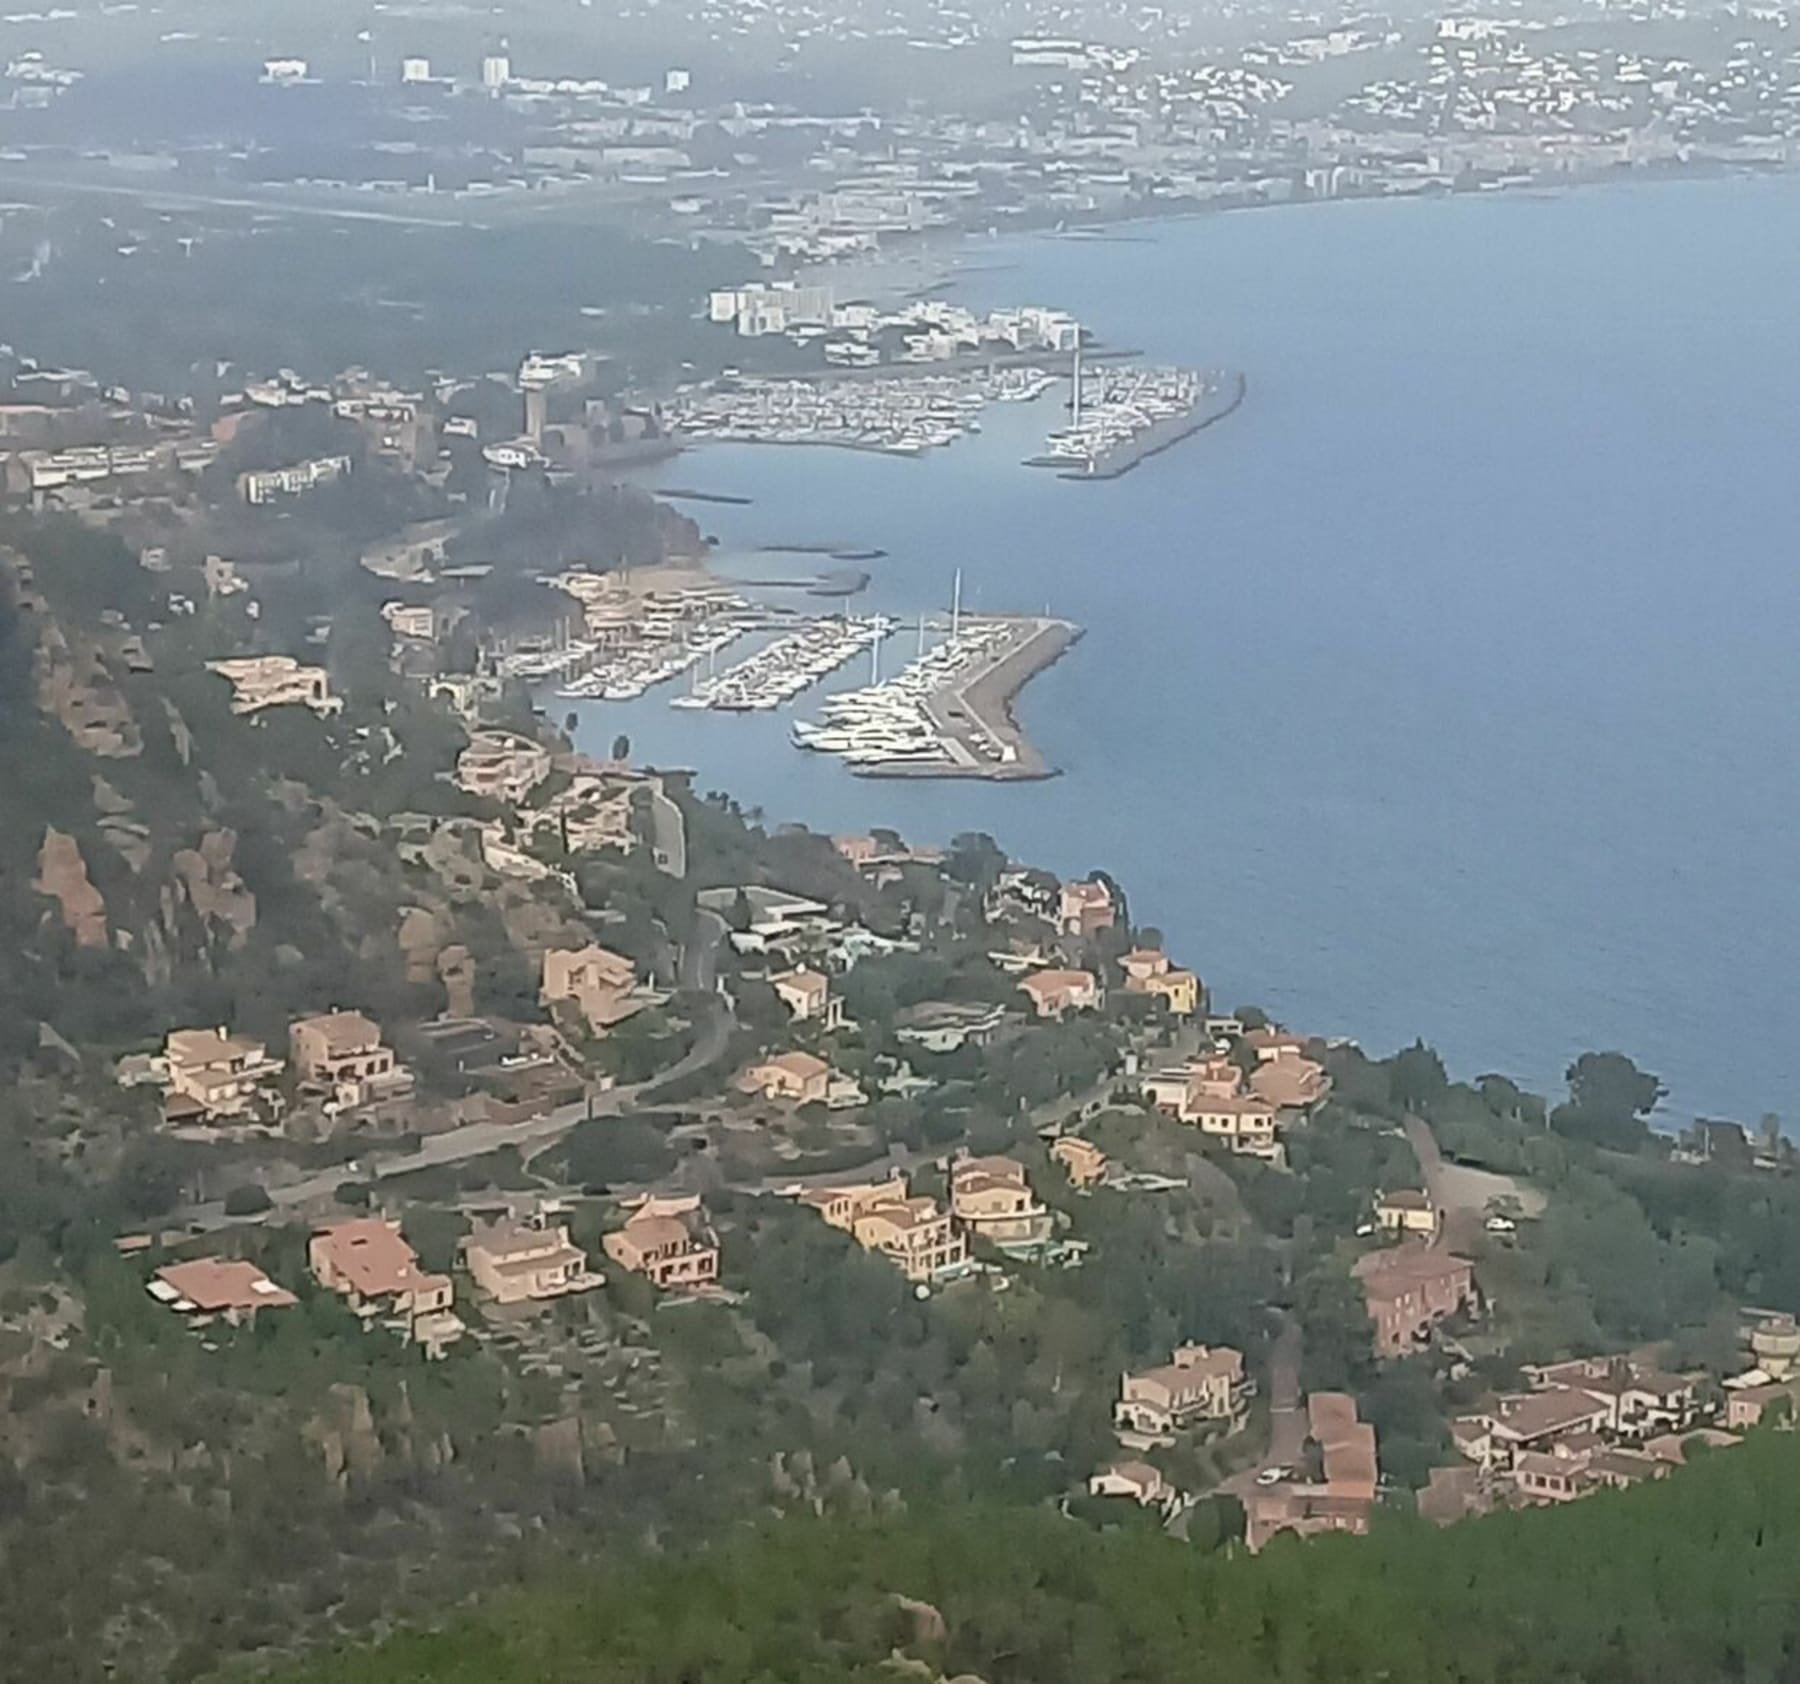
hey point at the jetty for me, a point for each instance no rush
(949, 713)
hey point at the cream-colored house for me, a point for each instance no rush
(517, 1263)
(1082, 1161)
(274, 681)
(342, 1052)
(669, 1242)
(1200, 1383)
(1406, 1210)
(218, 1077)
(502, 766)
(915, 1236)
(840, 1206)
(1150, 972)
(368, 1263)
(792, 1078)
(992, 1199)
(1055, 994)
(807, 995)
(601, 985)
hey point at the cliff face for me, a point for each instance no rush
(206, 881)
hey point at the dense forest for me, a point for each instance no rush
(1687, 1580)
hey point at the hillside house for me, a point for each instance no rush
(1054, 994)
(206, 1289)
(789, 1078)
(670, 1243)
(992, 1198)
(1408, 1290)
(367, 1262)
(601, 985)
(1199, 1384)
(342, 1054)
(1150, 972)
(522, 1263)
(211, 1076)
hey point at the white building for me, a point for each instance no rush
(496, 71)
(415, 70)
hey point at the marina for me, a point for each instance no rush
(948, 713)
(901, 415)
(1119, 417)
(792, 663)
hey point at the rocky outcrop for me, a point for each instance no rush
(62, 875)
(421, 938)
(207, 881)
(343, 1432)
(74, 686)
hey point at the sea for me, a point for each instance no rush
(1447, 690)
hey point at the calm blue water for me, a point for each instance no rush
(1447, 689)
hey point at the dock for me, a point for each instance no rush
(974, 720)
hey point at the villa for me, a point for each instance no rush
(669, 1242)
(993, 1200)
(1408, 1290)
(206, 1289)
(342, 1053)
(1199, 1384)
(368, 1263)
(1150, 972)
(522, 1263)
(1406, 1211)
(211, 1076)
(807, 995)
(601, 985)
(1054, 994)
(789, 1078)
(502, 766)
(1082, 1161)
(1085, 909)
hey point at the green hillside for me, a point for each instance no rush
(1688, 1580)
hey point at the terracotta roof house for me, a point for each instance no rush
(1085, 909)
(795, 1078)
(342, 1053)
(1343, 1500)
(993, 1200)
(807, 995)
(368, 1263)
(1200, 1383)
(840, 1206)
(1139, 1481)
(1408, 1290)
(914, 1235)
(1150, 972)
(1082, 1161)
(218, 1077)
(516, 1263)
(222, 1287)
(670, 1242)
(1056, 993)
(1291, 1082)
(601, 985)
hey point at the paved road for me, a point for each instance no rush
(474, 1140)
(1287, 1417)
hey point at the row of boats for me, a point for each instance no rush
(891, 723)
(625, 675)
(903, 414)
(780, 671)
(1116, 408)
